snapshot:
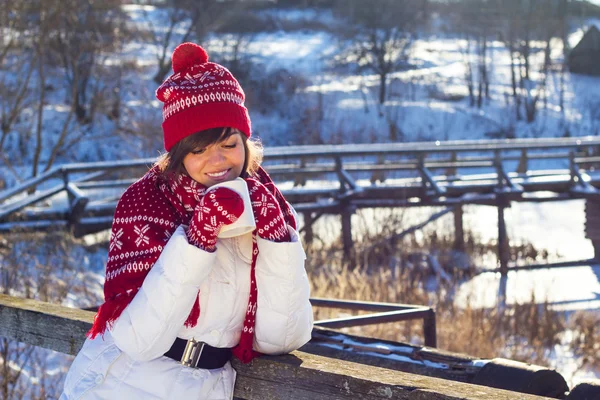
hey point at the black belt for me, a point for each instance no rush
(198, 354)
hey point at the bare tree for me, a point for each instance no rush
(41, 74)
(380, 34)
(17, 64)
(47, 40)
(179, 12)
(198, 18)
(477, 22)
(80, 33)
(528, 30)
(563, 26)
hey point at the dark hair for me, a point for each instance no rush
(172, 162)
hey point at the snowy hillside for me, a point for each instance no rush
(313, 100)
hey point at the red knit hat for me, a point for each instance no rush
(200, 95)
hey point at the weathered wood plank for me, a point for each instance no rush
(302, 376)
(298, 376)
(42, 324)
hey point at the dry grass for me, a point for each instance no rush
(525, 332)
(586, 338)
(399, 272)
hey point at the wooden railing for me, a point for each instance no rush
(345, 162)
(298, 376)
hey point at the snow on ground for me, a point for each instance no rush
(569, 365)
(555, 226)
(564, 289)
(300, 51)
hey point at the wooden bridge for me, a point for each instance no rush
(338, 179)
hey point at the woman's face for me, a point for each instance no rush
(216, 163)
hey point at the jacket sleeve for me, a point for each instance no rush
(149, 324)
(284, 315)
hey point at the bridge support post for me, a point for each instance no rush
(503, 249)
(347, 212)
(459, 232)
(308, 230)
(592, 224)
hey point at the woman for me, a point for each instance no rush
(179, 300)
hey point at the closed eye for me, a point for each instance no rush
(198, 151)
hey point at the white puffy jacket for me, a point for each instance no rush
(128, 363)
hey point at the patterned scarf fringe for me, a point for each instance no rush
(109, 312)
(243, 351)
(192, 319)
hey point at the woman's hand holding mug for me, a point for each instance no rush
(218, 208)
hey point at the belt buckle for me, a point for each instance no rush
(191, 354)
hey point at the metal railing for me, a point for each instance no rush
(384, 313)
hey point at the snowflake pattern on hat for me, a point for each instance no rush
(200, 95)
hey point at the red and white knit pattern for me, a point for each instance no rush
(209, 84)
(147, 215)
(219, 207)
(244, 350)
(270, 221)
(200, 95)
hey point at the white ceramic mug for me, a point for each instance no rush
(245, 223)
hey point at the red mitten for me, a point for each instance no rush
(270, 223)
(217, 208)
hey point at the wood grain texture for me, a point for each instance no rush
(305, 376)
(45, 325)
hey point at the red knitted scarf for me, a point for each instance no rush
(147, 215)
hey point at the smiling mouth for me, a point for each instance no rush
(219, 174)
